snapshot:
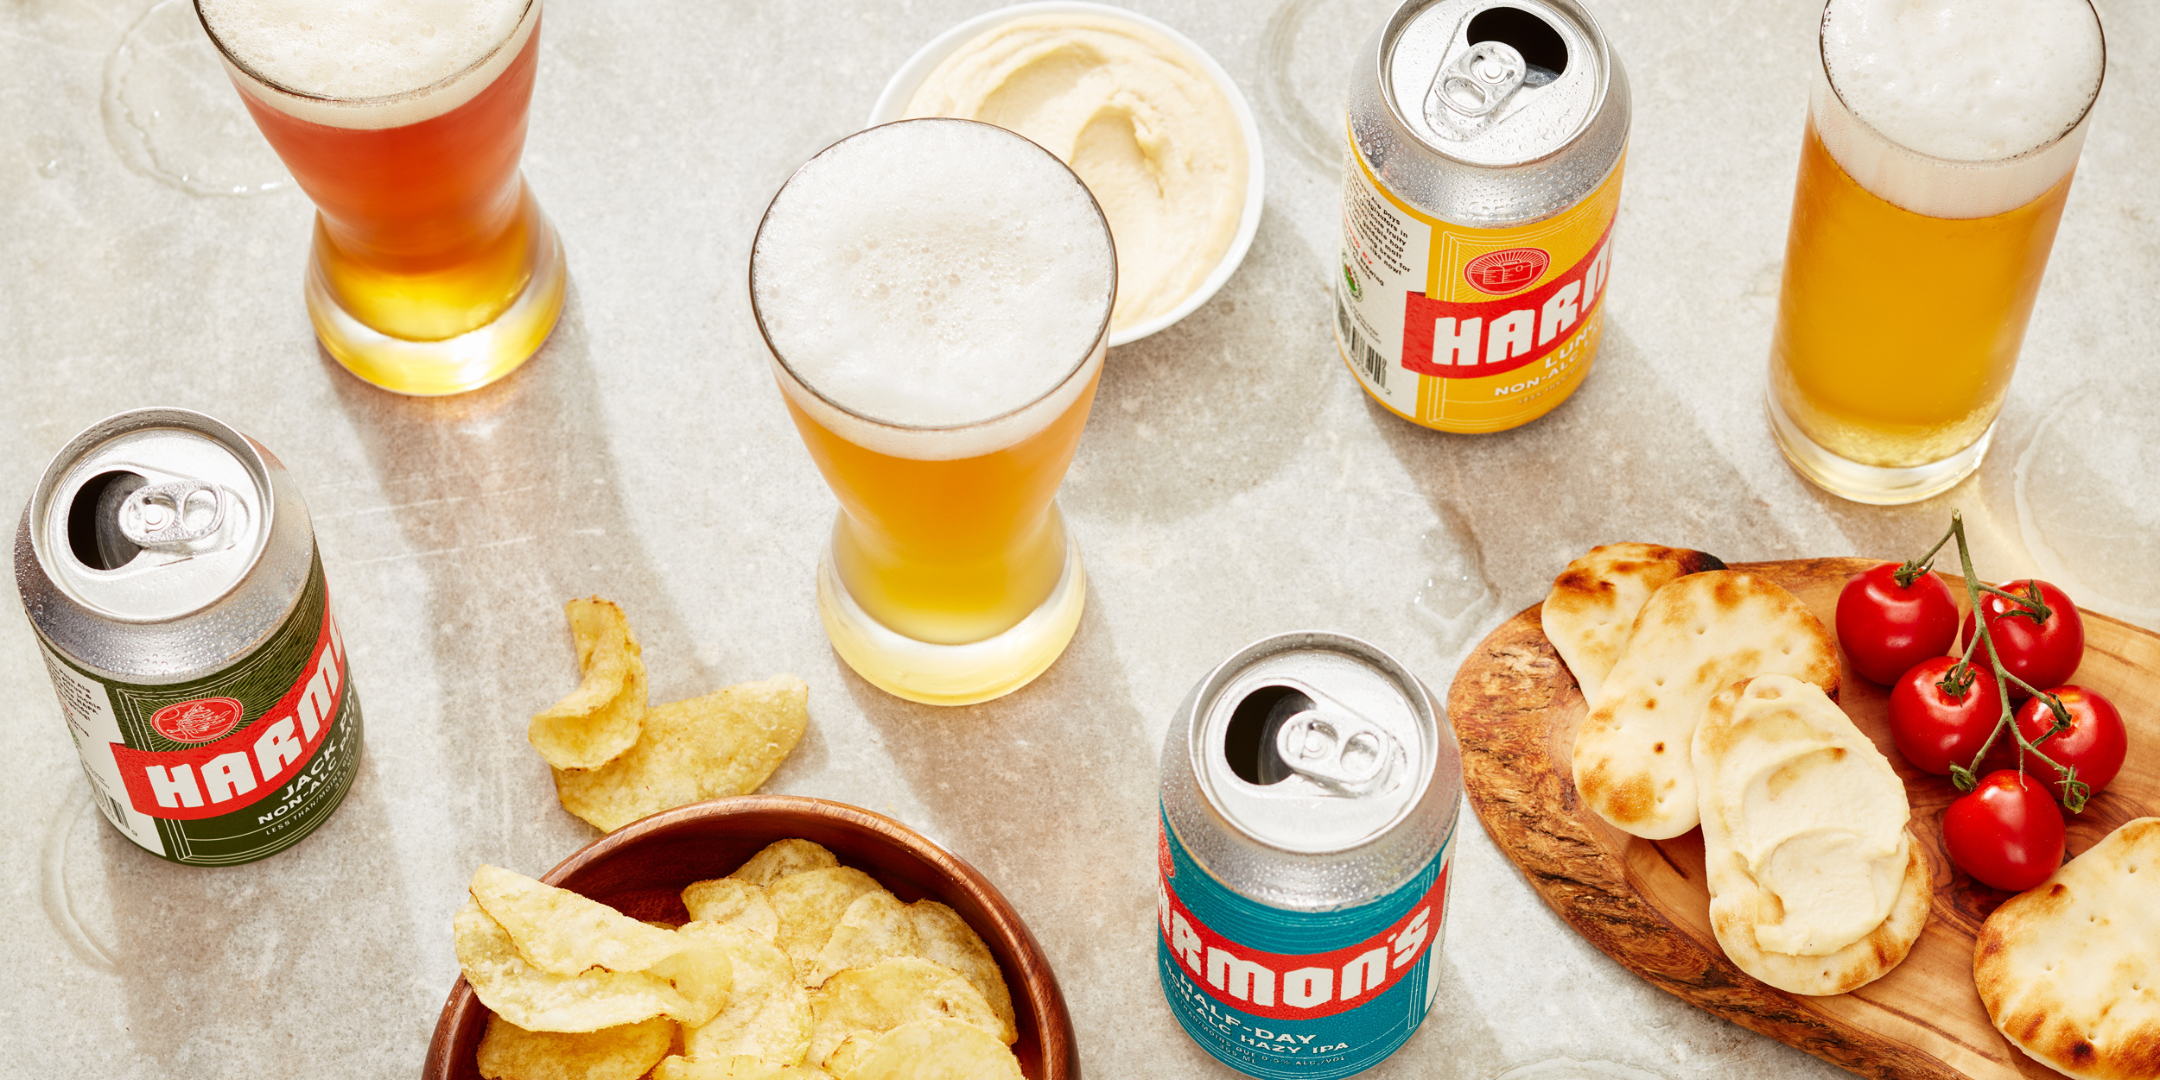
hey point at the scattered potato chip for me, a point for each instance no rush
(724, 743)
(735, 1068)
(887, 995)
(735, 903)
(810, 905)
(539, 1001)
(509, 1052)
(783, 858)
(601, 718)
(558, 931)
(941, 1049)
(876, 926)
(947, 939)
(767, 1015)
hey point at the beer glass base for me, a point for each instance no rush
(454, 365)
(952, 674)
(1871, 484)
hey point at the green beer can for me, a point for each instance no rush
(168, 566)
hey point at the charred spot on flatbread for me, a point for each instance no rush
(2070, 971)
(1591, 610)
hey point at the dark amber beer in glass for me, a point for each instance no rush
(433, 269)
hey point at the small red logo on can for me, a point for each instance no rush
(1498, 273)
(197, 721)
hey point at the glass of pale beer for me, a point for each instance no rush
(935, 296)
(433, 269)
(1940, 143)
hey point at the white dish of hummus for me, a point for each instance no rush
(1154, 126)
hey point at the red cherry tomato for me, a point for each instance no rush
(2043, 654)
(1935, 730)
(2006, 832)
(2094, 745)
(1887, 628)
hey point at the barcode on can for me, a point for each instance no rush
(114, 812)
(1361, 353)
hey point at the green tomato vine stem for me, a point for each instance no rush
(2029, 605)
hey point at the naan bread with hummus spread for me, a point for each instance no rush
(1695, 637)
(1592, 607)
(2070, 970)
(1816, 884)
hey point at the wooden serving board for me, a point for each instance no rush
(1516, 709)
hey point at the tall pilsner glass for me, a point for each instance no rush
(433, 269)
(936, 298)
(1940, 143)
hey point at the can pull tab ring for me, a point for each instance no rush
(1481, 78)
(172, 513)
(1344, 753)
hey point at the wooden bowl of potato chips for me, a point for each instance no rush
(642, 869)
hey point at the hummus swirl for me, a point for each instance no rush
(1139, 119)
(1814, 813)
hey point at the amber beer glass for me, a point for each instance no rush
(935, 295)
(433, 269)
(1940, 143)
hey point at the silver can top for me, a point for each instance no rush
(1494, 82)
(1313, 743)
(152, 515)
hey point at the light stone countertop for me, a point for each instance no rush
(1234, 482)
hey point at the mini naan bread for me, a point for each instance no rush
(1697, 636)
(1592, 607)
(1817, 885)
(2070, 970)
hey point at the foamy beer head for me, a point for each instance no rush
(372, 64)
(934, 289)
(1958, 108)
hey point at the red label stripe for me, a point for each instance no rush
(249, 765)
(1493, 337)
(1298, 987)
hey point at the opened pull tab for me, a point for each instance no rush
(1340, 751)
(172, 513)
(1480, 79)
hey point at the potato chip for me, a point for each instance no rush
(767, 1015)
(876, 926)
(735, 1068)
(702, 971)
(558, 931)
(810, 905)
(509, 1052)
(725, 743)
(853, 1049)
(539, 1001)
(735, 903)
(947, 939)
(782, 858)
(601, 718)
(887, 995)
(926, 1050)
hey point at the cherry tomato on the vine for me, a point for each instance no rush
(2094, 744)
(1887, 628)
(2006, 832)
(2043, 654)
(1935, 730)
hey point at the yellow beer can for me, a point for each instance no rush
(1485, 144)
